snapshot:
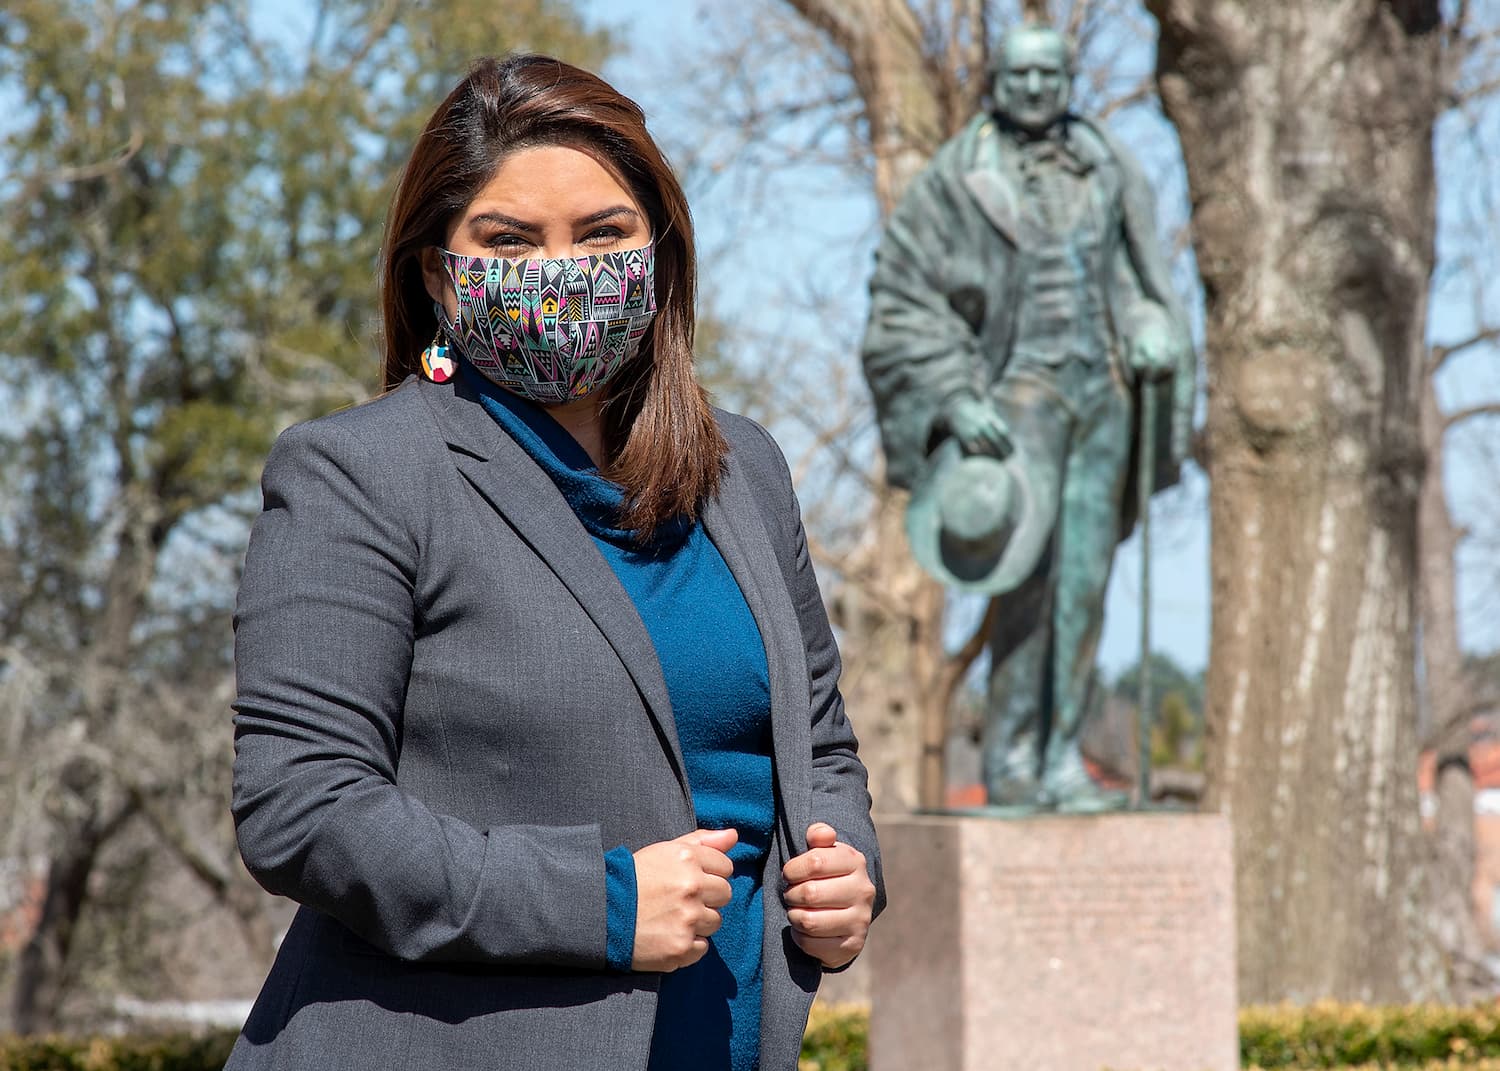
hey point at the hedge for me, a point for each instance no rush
(1352, 1037)
(154, 1052)
(1340, 1035)
(837, 1038)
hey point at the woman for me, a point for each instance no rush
(538, 715)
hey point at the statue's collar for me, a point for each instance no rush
(1056, 142)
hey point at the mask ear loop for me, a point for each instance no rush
(437, 365)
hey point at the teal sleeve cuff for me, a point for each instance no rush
(620, 905)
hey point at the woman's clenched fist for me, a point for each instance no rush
(680, 885)
(829, 896)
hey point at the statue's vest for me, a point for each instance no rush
(1062, 311)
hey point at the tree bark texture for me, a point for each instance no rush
(85, 817)
(918, 82)
(41, 968)
(891, 616)
(1449, 707)
(1306, 127)
(1447, 698)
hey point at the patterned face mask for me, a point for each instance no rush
(551, 330)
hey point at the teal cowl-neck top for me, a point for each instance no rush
(714, 664)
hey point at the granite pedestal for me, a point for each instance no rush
(1055, 944)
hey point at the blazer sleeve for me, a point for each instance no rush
(324, 631)
(840, 793)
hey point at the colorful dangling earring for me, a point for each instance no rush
(436, 364)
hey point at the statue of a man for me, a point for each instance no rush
(1020, 309)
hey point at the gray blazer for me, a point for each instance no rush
(448, 710)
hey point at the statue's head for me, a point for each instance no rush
(1032, 77)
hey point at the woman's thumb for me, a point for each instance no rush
(821, 835)
(718, 839)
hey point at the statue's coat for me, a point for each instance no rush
(945, 291)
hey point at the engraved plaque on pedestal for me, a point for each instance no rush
(1055, 944)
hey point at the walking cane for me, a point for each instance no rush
(1144, 479)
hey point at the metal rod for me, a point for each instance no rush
(1144, 480)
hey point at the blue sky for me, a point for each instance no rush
(806, 224)
(768, 231)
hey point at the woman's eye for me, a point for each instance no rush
(603, 236)
(507, 243)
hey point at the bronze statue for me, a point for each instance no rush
(1021, 310)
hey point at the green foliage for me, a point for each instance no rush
(1446, 1064)
(166, 1052)
(193, 197)
(1166, 676)
(1353, 1037)
(1338, 1035)
(191, 203)
(1176, 735)
(1177, 729)
(837, 1039)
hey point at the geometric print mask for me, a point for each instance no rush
(551, 330)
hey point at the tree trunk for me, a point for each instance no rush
(41, 968)
(1306, 127)
(891, 614)
(1449, 697)
(90, 806)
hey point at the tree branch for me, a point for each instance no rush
(835, 20)
(1438, 355)
(64, 176)
(957, 666)
(1469, 412)
(1144, 90)
(1460, 24)
(1479, 91)
(1175, 12)
(1462, 715)
(176, 837)
(375, 29)
(1076, 20)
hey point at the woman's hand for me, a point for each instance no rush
(679, 886)
(829, 897)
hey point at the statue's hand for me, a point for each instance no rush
(978, 426)
(1151, 347)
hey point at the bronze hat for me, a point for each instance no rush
(981, 523)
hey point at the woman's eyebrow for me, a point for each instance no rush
(607, 213)
(499, 219)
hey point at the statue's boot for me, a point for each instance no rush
(1068, 787)
(1011, 755)
(1011, 743)
(1017, 792)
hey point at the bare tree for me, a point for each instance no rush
(1307, 130)
(1453, 695)
(1459, 438)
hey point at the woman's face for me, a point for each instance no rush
(547, 201)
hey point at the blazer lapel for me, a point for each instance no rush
(733, 522)
(507, 478)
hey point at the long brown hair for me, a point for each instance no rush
(661, 442)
